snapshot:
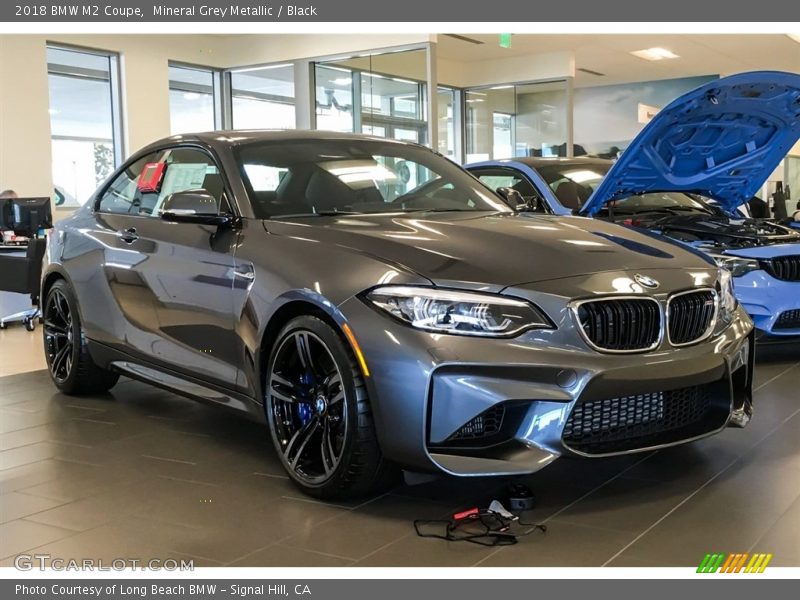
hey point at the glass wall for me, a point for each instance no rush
(193, 93)
(791, 186)
(625, 110)
(84, 121)
(516, 120)
(380, 94)
(263, 97)
(490, 115)
(334, 98)
(447, 122)
(541, 122)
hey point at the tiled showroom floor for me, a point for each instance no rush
(142, 473)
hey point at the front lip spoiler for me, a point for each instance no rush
(651, 448)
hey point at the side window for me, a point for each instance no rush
(185, 169)
(189, 169)
(123, 195)
(496, 178)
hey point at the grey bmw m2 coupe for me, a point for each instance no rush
(378, 307)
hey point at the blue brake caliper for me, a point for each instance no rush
(304, 410)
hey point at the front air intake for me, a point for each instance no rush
(621, 324)
(485, 425)
(641, 421)
(788, 319)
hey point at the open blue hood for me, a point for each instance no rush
(721, 140)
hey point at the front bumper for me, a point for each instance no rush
(428, 389)
(765, 299)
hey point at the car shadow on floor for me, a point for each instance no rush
(778, 350)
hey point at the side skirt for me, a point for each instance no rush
(189, 387)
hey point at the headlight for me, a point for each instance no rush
(727, 298)
(736, 265)
(462, 313)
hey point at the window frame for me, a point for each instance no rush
(217, 89)
(119, 140)
(228, 90)
(227, 189)
(500, 171)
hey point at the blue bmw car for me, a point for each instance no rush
(683, 177)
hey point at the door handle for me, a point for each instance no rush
(129, 235)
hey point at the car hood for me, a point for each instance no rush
(492, 251)
(721, 140)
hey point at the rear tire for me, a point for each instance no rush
(319, 414)
(68, 360)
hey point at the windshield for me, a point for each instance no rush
(351, 176)
(574, 183)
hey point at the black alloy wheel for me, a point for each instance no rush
(66, 348)
(307, 407)
(59, 336)
(319, 413)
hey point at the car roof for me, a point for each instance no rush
(238, 137)
(536, 162)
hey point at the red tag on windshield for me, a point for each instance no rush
(151, 176)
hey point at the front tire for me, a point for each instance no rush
(68, 360)
(319, 414)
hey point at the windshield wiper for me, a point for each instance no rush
(442, 210)
(318, 213)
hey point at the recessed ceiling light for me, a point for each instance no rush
(654, 54)
(342, 81)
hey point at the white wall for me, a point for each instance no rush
(552, 65)
(25, 121)
(246, 49)
(24, 117)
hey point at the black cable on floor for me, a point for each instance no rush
(482, 527)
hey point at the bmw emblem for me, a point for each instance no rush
(646, 281)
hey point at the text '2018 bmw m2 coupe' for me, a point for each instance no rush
(379, 307)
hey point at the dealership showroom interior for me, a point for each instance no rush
(364, 300)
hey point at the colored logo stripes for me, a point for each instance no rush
(734, 563)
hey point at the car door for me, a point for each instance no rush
(171, 282)
(497, 177)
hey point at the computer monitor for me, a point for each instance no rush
(29, 215)
(5, 213)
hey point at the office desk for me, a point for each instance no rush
(11, 303)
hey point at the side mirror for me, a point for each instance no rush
(193, 206)
(513, 198)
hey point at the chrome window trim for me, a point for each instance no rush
(709, 331)
(576, 304)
